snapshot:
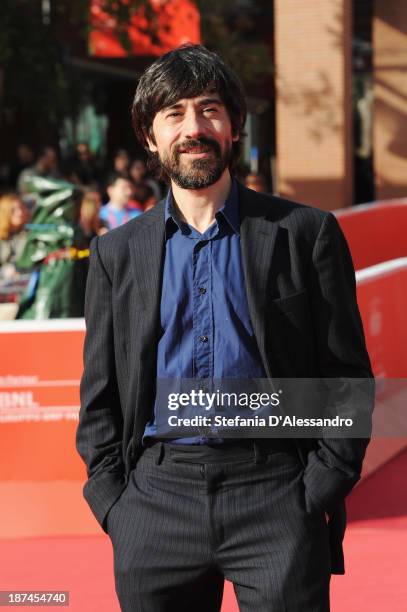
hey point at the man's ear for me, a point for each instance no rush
(238, 125)
(235, 134)
(150, 140)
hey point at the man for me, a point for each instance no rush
(83, 168)
(233, 284)
(46, 166)
(117, 211)
(121, 163)
(24, 159)
(138, 174)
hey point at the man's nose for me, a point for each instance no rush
(193, 124)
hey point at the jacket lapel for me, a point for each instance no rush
(258, 237)
(146, 252)
(147, 247)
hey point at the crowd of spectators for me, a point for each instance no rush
(82, 169)
(109, 195)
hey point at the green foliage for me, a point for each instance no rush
(233, 34)
(31, 56)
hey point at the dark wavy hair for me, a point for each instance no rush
(186, 72)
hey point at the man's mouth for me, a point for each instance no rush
(196, 151)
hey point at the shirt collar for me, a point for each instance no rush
(230, 211)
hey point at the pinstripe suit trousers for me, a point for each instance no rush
(191, 516)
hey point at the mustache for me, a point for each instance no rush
(201, 144)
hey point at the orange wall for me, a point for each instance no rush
(390, 98)
(313, 101)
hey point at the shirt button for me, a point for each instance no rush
(202, 290)
(203, 338)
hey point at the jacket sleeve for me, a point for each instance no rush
(99, 433)
(335, 466)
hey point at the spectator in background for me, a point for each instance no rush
(118, 211)
(142, 198)
(121, 163)
(46, 166)
(89, 226)
(256, 181)
(24, 159)
(89, 217)
(84, 169)
(138, 174)
(13, 217)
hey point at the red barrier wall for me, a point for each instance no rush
(40, 370)
(41, 474)
(382, 298)
(375, 232)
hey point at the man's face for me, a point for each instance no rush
(120, 192)
(49, 160)
(19, 214)
(137, 170)
(121, 162)
(193, 139)
(83, 151)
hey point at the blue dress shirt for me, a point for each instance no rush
(205, 322)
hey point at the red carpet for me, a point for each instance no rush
(375, 552)
(376, 565)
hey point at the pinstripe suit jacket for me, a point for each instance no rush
(300, 286)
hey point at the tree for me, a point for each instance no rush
(36, 80)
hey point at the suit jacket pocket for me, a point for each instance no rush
(290, 335)
(290, 303)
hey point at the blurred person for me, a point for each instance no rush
(117, 211)
(83, 169)
(46, 166)
(24, 159)
(13, 217)
(135, 202)
(88, 226)
(256, 181)
(89, 216)
(13, 236)
(138, 174)
(142, 198)
(216, 281)
(121, 163)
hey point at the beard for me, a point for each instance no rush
(196, 173)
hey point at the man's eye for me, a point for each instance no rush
(210, 110)
(174, 114)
